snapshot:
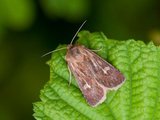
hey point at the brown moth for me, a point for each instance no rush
(94, 75)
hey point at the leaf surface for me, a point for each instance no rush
(137, 99)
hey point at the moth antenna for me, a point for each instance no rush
(70, 43)
(77, 32)
(53, 51)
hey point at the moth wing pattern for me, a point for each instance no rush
(106, 74)
(94, 75)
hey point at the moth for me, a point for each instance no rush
(94, 75)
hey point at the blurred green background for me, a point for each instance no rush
(30, 28)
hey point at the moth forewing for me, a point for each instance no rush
(94, 75)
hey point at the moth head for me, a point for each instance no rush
(74, 53)
(74, 50)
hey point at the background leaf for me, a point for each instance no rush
(64, 9)
(18, 14)
(137, 99)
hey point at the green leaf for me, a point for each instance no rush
(137, 99)
(18, 14)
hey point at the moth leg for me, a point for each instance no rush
(99, 49)
(70, 76)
